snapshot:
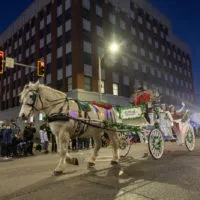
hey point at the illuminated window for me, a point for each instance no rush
(115, 89)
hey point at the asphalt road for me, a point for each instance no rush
(176, 176)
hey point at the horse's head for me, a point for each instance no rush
(30, 100)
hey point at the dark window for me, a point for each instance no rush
(33, 22)
(110, 8)
(42, 52)
(68, 36)
(48, 28)
(48, 68)
(59, 84)
(99, 2)
(59, 2)
(59, 41)
(42, 33)
(59, 63)
(68, 14)
(87, 58)
(87, 36)
(48, 10)
(41, 14)
(59, 20)
(86, 14)
(126, 91)
(69, 58)
(99, 21)
(48, 48)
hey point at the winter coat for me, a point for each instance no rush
(28, 134)
(15, 129)
(7, 136)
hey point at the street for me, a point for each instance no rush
(175, 176)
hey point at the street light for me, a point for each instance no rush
(113, 48)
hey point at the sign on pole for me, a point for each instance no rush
(9, 62)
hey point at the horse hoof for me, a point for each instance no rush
(75, 161)
(57, 173)
(91, 164)
(113, 162)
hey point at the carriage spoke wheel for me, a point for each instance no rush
(156, 144)
(190, 139)
(124, 145)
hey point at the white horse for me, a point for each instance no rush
(37, 97)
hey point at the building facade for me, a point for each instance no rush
(70, 35)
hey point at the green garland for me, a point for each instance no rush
(120, 127)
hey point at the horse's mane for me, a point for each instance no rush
(31, 86)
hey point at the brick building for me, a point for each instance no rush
(69, 35)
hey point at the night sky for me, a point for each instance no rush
(183, 14)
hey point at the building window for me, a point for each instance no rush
(69, 84)
(59, 63)
(59, 84)
(87, 58)
(69, 58)
(135, 64)
(148, 25)
(59, 41)
(59, 20)
(115, 89)
(126, 89)
(88, 83)
(157, 59)
(150, 40)
(134, 48)
(142, 52)
(141, 36)
(99, 21)
(68, 36)
(87, 36)
(144, 68)
(140, 21)
(86, 14)
(156, 44)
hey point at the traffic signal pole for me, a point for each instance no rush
(23, 65)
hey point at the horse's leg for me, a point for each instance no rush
(69, 158)
(97, 146)
(114, 138)
(62, 152)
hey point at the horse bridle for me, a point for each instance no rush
(34, 98)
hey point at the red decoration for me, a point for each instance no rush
(105, 106)
(143, 98)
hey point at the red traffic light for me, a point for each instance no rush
(40, 68)
(2, 63)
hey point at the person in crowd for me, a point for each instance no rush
(44, 139)
(74, 144)
(6, 141)
(28, 138)
(14, 127)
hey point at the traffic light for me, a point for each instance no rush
(2, 63)
(40, 68)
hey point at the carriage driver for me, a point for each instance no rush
(142, 98)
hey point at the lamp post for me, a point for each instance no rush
(113, 48)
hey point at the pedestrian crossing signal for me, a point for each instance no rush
(40, 68)
(2, 62)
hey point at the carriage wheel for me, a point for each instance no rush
(156, 144)
(124, 144)
(190, 139)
